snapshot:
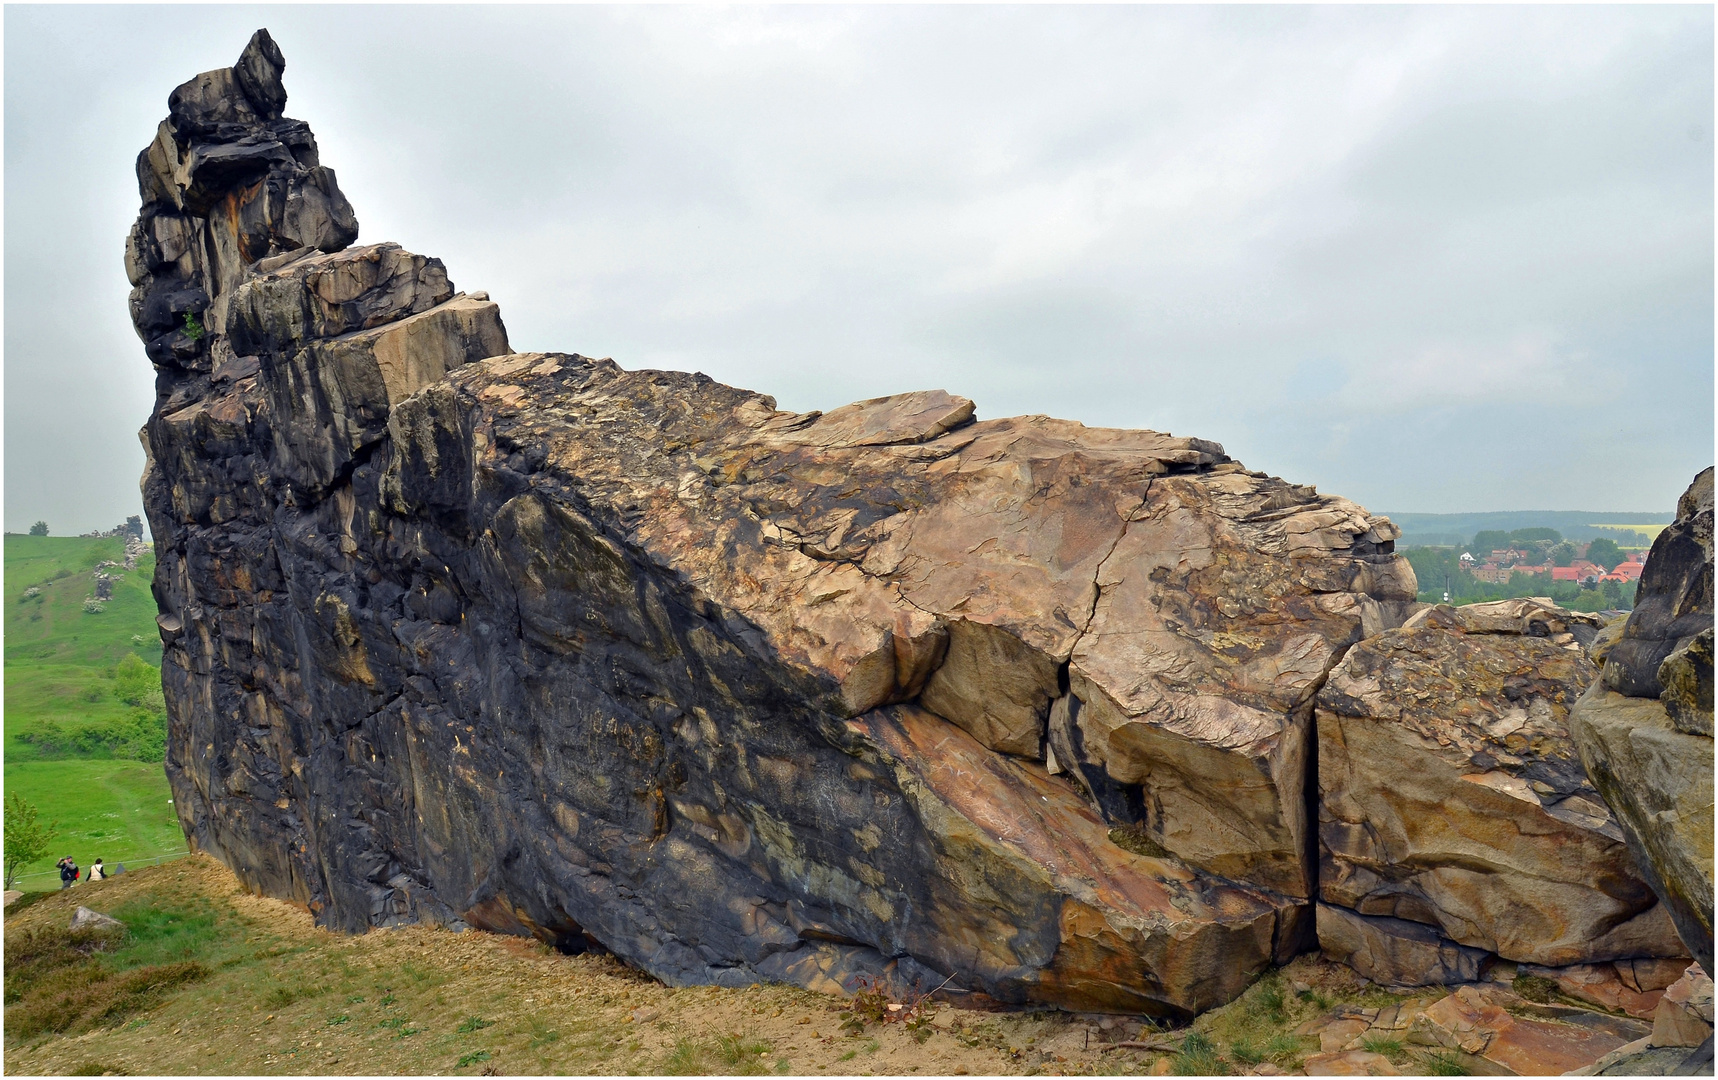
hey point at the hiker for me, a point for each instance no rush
(68, 872)
(96, 873)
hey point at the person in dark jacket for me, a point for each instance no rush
(68, 872)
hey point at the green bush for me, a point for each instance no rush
(141, 736)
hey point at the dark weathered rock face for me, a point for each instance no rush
(534, 643)
(1644, 732)
(1451, 796)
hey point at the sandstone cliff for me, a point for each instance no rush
(1021, 708)
(539, 644)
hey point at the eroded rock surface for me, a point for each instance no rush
(539, 644)
(1644, 731)
(1451, 796)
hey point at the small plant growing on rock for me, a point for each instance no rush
(193, 328)
(1379, 1044)
(1198, 1057)
(1134, 838)
(1536, 988)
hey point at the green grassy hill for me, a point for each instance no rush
(84, 720)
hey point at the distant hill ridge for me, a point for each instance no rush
(1427, 529)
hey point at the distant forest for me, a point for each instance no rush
(1421, 530)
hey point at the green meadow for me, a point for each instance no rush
(84, 719)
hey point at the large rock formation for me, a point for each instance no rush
(1644, 731)
(538, 644)
(1454, 819)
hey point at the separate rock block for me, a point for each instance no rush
(1658, 782)
(1673, 600)
(1451, 793)
(314, 295)
(1126, 933)
(85, 919)
(1475, 1021)
(1686, 676)
(1684, 1015)
(1396, 952)
(1633, 987)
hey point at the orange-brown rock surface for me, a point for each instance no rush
(1451, 796)
(635, 659)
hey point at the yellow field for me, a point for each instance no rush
(1650, 530)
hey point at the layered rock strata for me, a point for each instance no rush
(1644, 731)
(1455, 820)
(534, 643)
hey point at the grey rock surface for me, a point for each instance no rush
(86, 919)
(632, 658)
(1644, 731)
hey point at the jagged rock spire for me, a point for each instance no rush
(226, 182)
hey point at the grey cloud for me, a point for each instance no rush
(1431, 258)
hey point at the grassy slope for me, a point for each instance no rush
(282, 997)
(58, 660)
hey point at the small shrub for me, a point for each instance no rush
(1379, 1044)
(1445, 1063)
(92, 606)
(1271, 1002)
(1134, 838)
(744, 1055)
(542, 1034)
(1198, 1057)
(870, 1001)
(280, 997)
(193, 328)
(1242, 1050)
(1535, 988)
(1283, 1049)
(686, 1059)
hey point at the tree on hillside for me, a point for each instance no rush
(1605, 552)
(1563, 554)
(1535, 534)
(1488, 541)
(26, 838)
(40, 528)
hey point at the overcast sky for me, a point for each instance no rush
(1434, 259)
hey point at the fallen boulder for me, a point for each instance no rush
(86, 919)
(1453, 805)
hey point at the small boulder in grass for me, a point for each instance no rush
(85, 919)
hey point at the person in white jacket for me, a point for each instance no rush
(95, 873)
